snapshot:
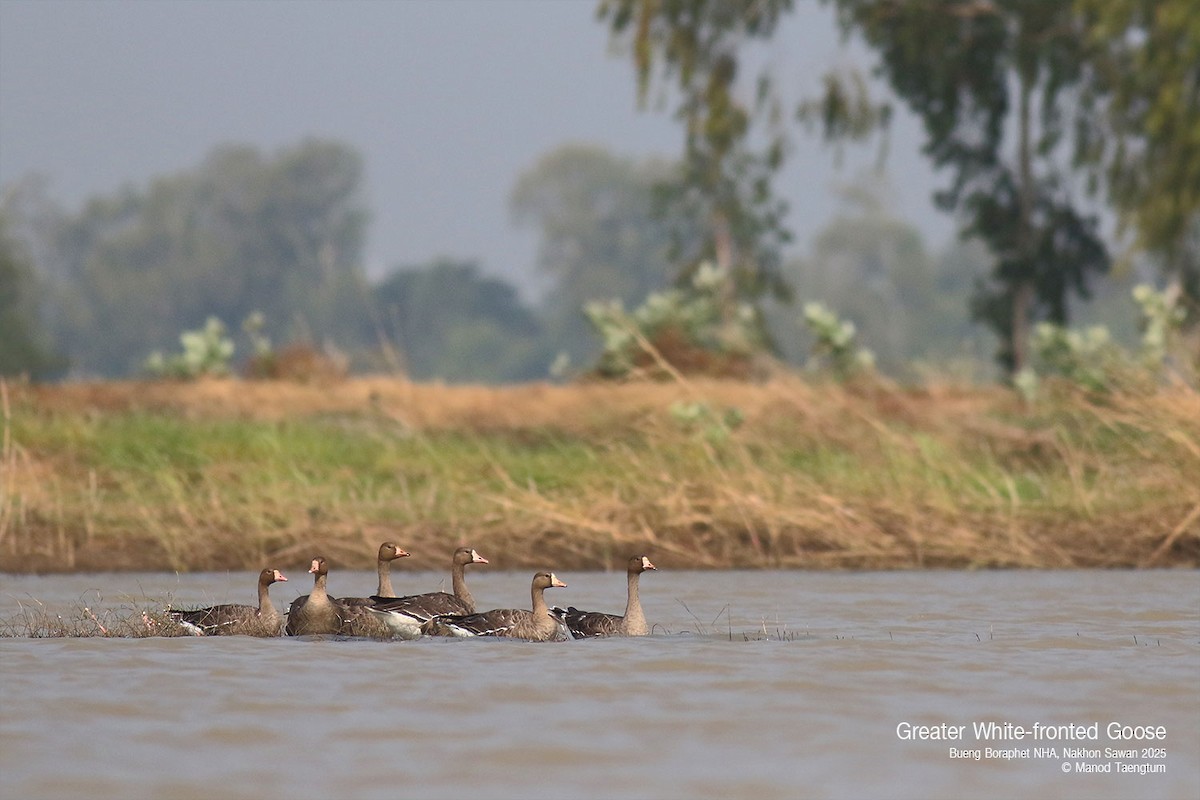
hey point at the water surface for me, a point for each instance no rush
(755, 685)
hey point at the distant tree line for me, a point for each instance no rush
(92, 293)
(1037, 114)
(243, 232)
(24, 346)
(126, 274)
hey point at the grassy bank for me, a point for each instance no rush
(238, 475)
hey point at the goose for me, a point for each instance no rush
(587, 624)
(317, 613)
(388, 552)
(358, 622)
(404, 615)
(538, 625)
(232, 618)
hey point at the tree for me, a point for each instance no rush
(599, 237)
(723, 184)
(1144, 137)
(873, 269)
(23, 346)
(244, 232)
(965, 66)
(449, 322)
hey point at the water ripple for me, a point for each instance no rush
(705, 715)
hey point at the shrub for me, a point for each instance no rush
(1162, 319)
(690, 329)
(263, 360)
(1090, 359)
(836, 347)
(207, 351)
(300, 363)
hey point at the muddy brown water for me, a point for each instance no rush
(755, 685)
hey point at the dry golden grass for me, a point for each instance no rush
(699, 473)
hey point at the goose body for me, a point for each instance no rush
(404, 616)
(536, 625)
(318, 613)
(588, 624)
(232, 618)
(360, 623)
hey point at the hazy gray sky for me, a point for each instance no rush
(447, 101)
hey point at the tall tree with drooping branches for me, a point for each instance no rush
(995, 82)
(723, 183)
(1144, 136)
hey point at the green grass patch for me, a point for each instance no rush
(806, 477)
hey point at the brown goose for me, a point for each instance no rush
(404, 615)
(586, 624)
(231, 618)
(317, 613)
(538, 625)
(360, 623)
(388, 552)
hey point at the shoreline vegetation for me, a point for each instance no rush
(227, 474)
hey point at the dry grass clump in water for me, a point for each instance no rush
(35, 621)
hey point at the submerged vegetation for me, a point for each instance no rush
(229, 474)
(129, 621)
